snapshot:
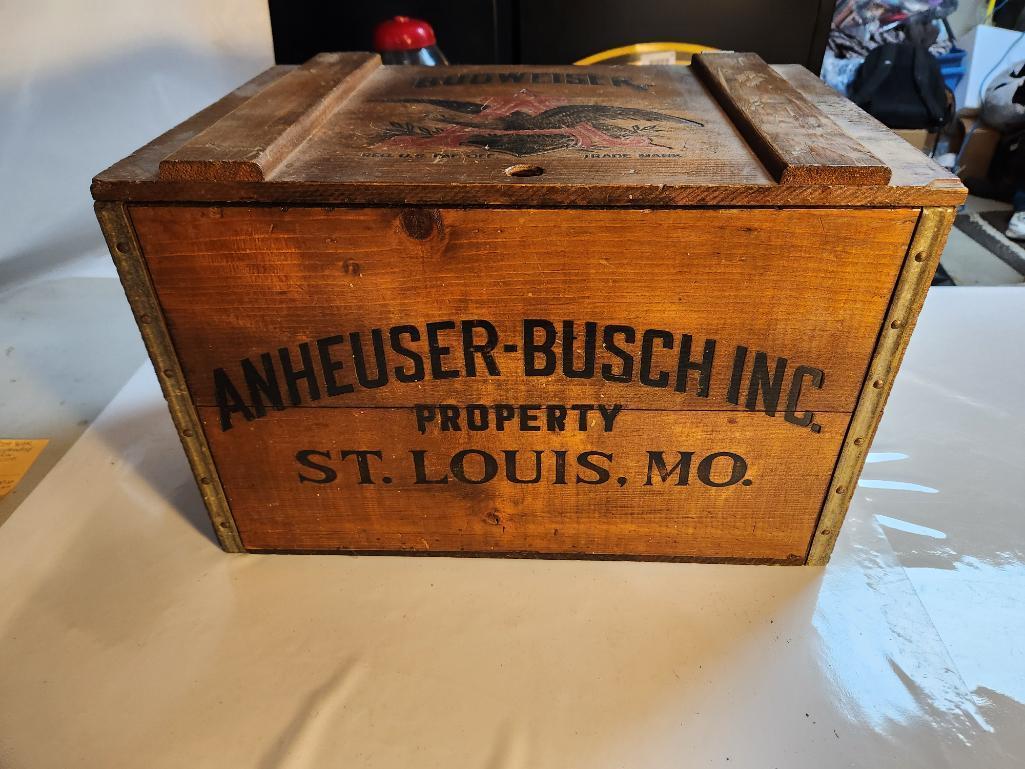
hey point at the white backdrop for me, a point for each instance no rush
(84, 83)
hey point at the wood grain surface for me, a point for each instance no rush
(793, 138)
(908, 165)
(249, 142)
(660, 126)
(142, 167)
(806, 285)
(770, 519)
(601, 136)
(377, 296)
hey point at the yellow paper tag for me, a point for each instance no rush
(16, 457)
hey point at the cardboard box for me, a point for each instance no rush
(977, 148)
(589, 312)
(919, 138)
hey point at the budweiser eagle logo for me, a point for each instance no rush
(527, 124)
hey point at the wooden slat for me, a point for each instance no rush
(142, 166)
(796, 142)
(909, 166)
(248, 143)
(810, 286)
(529, 194)
(359, 156)
(770, 518)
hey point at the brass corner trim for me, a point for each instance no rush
(126, 252)
(916, 274)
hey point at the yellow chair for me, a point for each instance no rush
(648, 53)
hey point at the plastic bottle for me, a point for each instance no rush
(403, 40)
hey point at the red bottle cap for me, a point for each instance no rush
(403, 34)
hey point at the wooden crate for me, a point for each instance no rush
(641, 312)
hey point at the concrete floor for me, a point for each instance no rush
(968, 263)
(68, 342)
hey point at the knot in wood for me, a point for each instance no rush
(421, 223)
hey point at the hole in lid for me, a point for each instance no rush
(521, 169)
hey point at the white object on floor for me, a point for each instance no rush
(948, 160)
(126, 633)
(1016, 226)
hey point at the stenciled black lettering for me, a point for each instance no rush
(420, 469)
(448, 416)
(293, 375)
(362, 462)
(609, 414)
(359, 359)
(769, 386)
(229, 400)
(458, 466)
(582, 409)
(626, 372)
(472, 349)
(686, 366)
(330, 367)
(647, 353)
(738, 469)
(806, 418)
(511, 462)
(556, 418)
(477, 417)
(569, 350)
(601, 474)
(504, 414)
(395, 335)
(424, 413)
(560, 468)
(532, 348)
(263, 385)
(327, 473)
(438, 351)
(657, 462)
(529, 418)
(737, 375)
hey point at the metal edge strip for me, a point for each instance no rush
(920, 264)
(126, 252)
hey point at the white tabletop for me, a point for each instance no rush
(128, 639)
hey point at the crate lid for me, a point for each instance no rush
(343, 129)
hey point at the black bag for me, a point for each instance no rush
(1006, 170)
(901, 85)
